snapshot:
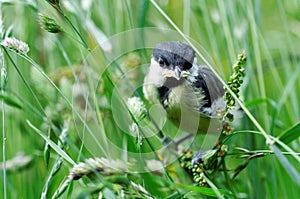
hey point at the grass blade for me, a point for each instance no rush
(10, 101)
(205, 191)
(290, 134)
(52, 144)
(290, 169)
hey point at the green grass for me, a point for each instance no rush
(78, 81)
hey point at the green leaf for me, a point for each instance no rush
(175, 195)
(204, 190)
(52, 144)
(239, 169)
(258, 101)
(10, 101)
(47, 151)
(290, 134)
(290, 169)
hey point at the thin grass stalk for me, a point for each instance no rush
(99, 119)
(83, 135)
(58, 8)
(63, 96)
(129, 13)
(57, 165)
(186, 16)
(258, 62)
(109, 59)
(214, 188)
(25, 82)
(210, 31)
(289, 66)
(3, 85)
(3, 121)
(227, 178)
(88, 104)
(226, 28)
(274, 139)
(3, 145)
(75, 29)
(276, 76)
(55, 147)
(283, 16)
(59, 160)
(28, 107)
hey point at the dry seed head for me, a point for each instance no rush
(103, 165)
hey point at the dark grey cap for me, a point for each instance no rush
(174, 54)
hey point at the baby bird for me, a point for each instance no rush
(189, 92)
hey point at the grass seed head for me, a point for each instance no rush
(49, 24)
(15, 45)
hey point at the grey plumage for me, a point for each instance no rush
(208, 83)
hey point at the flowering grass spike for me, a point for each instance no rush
(3, 78)
(49, 24)
(235, 81)
(137, 108)
(53, 2)
(15, 45)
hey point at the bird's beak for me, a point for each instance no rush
(177, 73)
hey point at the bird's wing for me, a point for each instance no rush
(210, 86)
(213, 84)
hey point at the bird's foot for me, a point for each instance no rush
(182, 139)
(166, 140)
(207, 158)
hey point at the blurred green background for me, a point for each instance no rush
(269, 31)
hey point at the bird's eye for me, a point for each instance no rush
(187, 65)
(161, 62)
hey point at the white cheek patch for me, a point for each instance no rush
(154, 75)
(195, 61)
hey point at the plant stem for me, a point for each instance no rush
(73, 27)
(3, 144)
(3, 122)
(3, 84)
(228, 181)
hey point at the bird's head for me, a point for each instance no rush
(173, 59)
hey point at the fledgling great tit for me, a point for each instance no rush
(189, 92)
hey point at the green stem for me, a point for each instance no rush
(73, 27)
(3, 85)
(213, 187)
(4, 146)
(75, 39)
(34, 64)
(25, 82)
(228, 181)
(278, 141)
(56, 167)
(3, 108)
